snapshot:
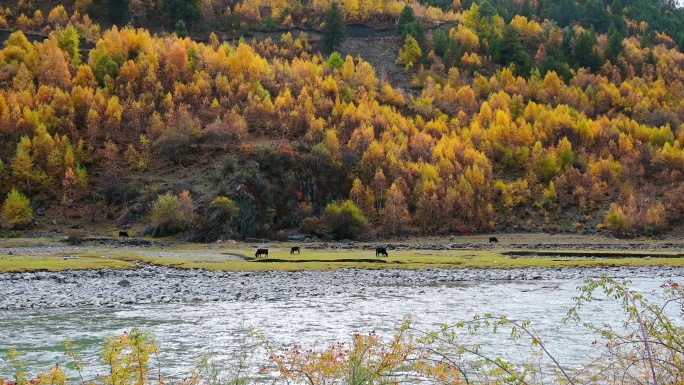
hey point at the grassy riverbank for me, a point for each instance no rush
(519, 251)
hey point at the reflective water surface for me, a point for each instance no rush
(187, 331)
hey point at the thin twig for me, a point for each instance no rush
(649, 354)
(558, 365)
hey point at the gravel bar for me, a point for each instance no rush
(158, 284)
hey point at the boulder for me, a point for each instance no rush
(132, 215)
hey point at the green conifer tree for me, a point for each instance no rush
(186, 10)
(614, 47)
(584, 54)
(595, 15)
(405, 17)
(616, 7)
(334, 31)
(408, 24)
(526, 9)
(511, 50)
(117, 10)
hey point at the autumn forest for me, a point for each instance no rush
(171, 116)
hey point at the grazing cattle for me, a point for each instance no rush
(381, 252)
(261, 251)
(123, 234)
(493, 240)
(451, 238)
(294, 249)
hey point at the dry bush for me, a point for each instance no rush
(311, 225)
(75, 236)
(222, 133)
(281, 236)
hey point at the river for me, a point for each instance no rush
(356, 301)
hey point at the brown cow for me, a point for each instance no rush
(261, 251)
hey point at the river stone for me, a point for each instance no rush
(124, 283)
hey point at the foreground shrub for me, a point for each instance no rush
(650, 350)
(75, 236)
(128, 355)
(368, 359)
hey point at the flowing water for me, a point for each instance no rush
(186, 331)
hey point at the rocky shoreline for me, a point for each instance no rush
(662, 247)
(157, 284)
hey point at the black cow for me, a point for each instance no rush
(493, 240)
(381, 252)
(123, 234)
(261, 251)
(294, 249)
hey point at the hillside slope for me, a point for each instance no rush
(487, 125)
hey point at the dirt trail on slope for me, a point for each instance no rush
(379, 49)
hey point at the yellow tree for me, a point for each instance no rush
(277, 8)
(321, 5)
(361, 139)
(85, 77)
(428, 209)
(110, 156)
(18, 49)
(363, 198)
(16, 210)
(93, 126)
(5, 120)
(58, 17)
(42, 145)
(466, 37)
(248, 11)
(395, 213)
(656, 217)
(54, 68)
(82, 6)
(22, 163)
(69, 182)
(112, 117)
(471, 61)
(378, 185)
(409, 53)
(187, 206)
